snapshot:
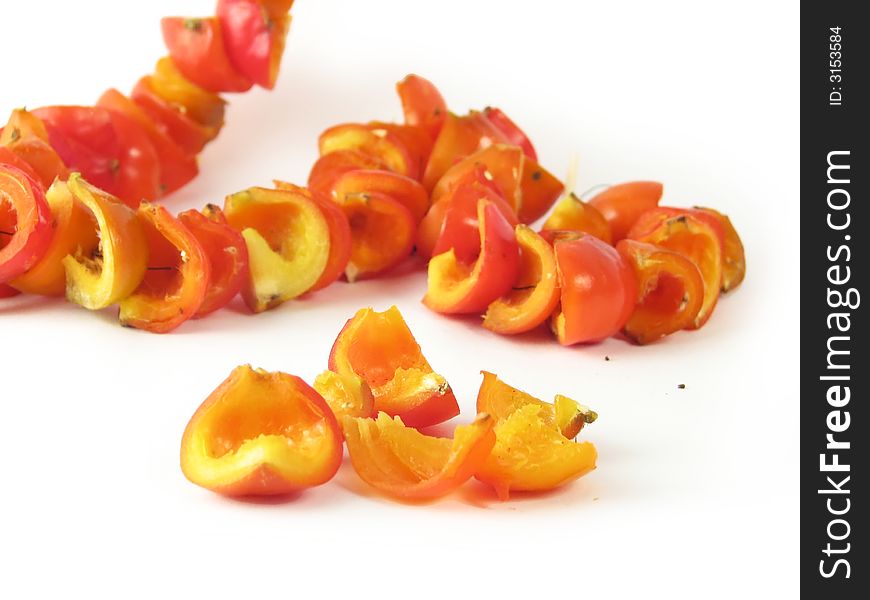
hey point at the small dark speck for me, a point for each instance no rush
(595, 498)
(607, 358)
(681, 386)
(536, 175)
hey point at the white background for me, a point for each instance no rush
(696, 491)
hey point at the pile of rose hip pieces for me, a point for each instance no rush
(263, 433)
(460, 190)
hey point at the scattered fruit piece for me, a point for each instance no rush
(261, 434)
(402, 462)
(530, 452)
(380, 349)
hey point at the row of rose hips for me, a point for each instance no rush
(271, 244)
(365, 211)
(618, 263)
(664, 274)
(134, 148)
(642, 271)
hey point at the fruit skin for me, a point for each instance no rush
(382, 233)
(540, 189)
(531, 452)
(340, 239)
(402, 462)
(84, 138)
(500, 164)
(25, 137)
(733, 255)
(512, 132)
(552, 236)
(196, 46)
(453, 221)
(696, 234)
(74, 228)
(287, 238)
(415, 140)
(190, 136)
(408, 192)
(459, 137)
(462, 137)
(535, 294)
(254, 38)
(108, 148)
(236, 443)
(7, 292)
(598, 294)
(380, 349)
(571, 213)
(500, 400)
(670, 291)
(176, 167)
(177, 278)
(422, 104)
(99, 276)
(25, 220)
(204, 107)
(379, 143)
(329, 167)
(10, 159)
(227, 256)
(622, 204)
(455, 287)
